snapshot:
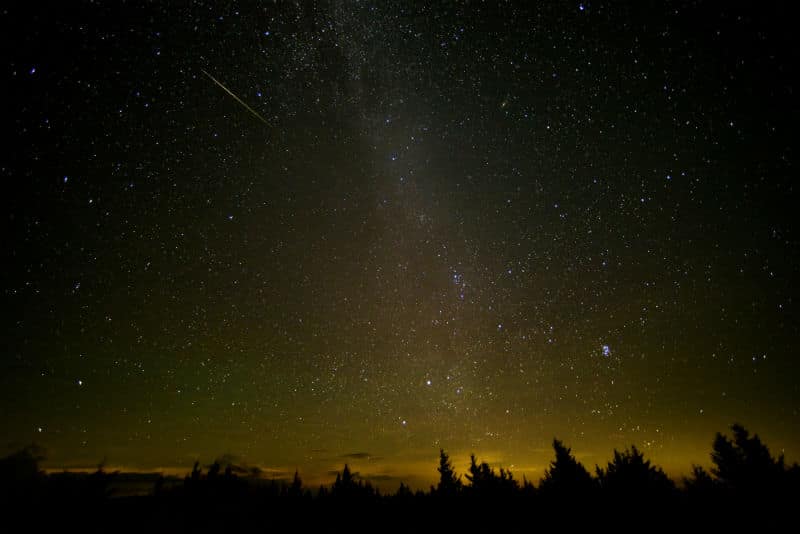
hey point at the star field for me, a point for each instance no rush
(472, 225)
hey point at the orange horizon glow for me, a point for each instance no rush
(417, 474)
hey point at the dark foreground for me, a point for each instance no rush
(745, 489)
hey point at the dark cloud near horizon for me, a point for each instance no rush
(237, 465)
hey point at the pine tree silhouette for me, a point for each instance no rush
(745, 464)
(629, 474)
(449, 483)
(700, 484)
(296, 488)
(566, 475)
(486, 483)
(345, 485)
(403, 493)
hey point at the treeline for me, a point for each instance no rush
(744, 477)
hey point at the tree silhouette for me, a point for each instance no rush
(344, 481)
(449, 483)
(485, 482)
(98, 484)
(744, 478)
(296, 488)
(20, 474)
(403, 493)
(22, 465)
(527, 489)
(346, 485)
(629, 474)
(213, 471)
(192, 481)
(700, 484)
(566, 474)
(745, 463)
(196, 471)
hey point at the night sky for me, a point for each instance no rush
(304, 234)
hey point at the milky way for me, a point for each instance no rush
(474, 226)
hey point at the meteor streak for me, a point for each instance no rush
(239, 100)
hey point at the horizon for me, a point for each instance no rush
(387, 473)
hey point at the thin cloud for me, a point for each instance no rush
(359, 456)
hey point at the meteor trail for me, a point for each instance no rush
(239, 100)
